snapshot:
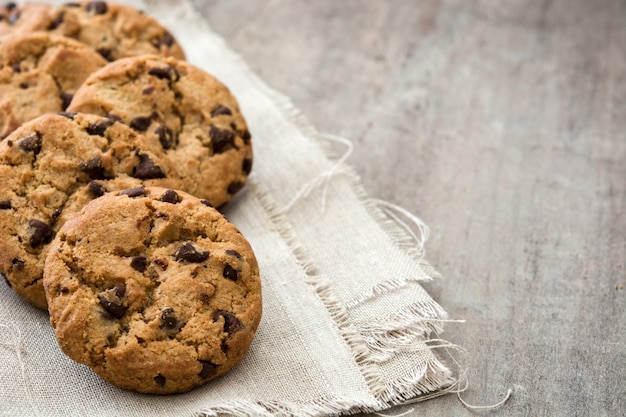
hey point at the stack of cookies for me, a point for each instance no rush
(115, 158)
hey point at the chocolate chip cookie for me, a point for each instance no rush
(52, 166)
(114, 30)
(29, 17)
(153, 289)
(39, 73)
(196, 119)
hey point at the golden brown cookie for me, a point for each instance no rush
(39, 73)
(153, 289)
(52, 166)
(114, 30)
(193, 115)
(29, 17)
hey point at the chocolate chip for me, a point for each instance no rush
(221, 110)
(106, 53)
(57, 21)
(246, 136)
(113, 308)
(231, 322)
(194, 273)
(120, 290)
(170, 196)
(160, 73)
(160, 380)
(69, 114)
(234, 187)
(17, 264)
(10, 6)
(14, 16)
(204, 297)
(31, 143)
(96, 7)
(146, 169)
(230, 273)
(166, 40)
(141, 124)
(5, 204)
(167, 73)
(134, 192)
(222, 139)
(96, 189)
(208, 369)
(148, 91)
(246, 166)
(64, 290)
(42, 233)
(66, 99)
(23, 86)
(166, 136)
(167, 318)
(112, 302)
(55, 213)
(16, 68)
(71, 4)
(119, 251)
(189, 253)
(100, 127)
(162, 262)
(93, 168)
(139, 263)
(207, 203)
(139, 339)
(232, 252)
(113, 117)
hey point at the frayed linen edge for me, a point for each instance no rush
(437, 376)
(421, 380)
(326, 406)
(432, 376)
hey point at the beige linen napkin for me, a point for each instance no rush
(346, 323)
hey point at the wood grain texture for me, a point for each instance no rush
(503, 126)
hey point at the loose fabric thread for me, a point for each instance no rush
(392, 211)
(16, 337)
(324, 178)
(462, 384)
(419, 233)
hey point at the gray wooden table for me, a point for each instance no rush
(503, 126)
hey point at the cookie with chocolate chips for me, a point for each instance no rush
(153, 289)
(29, 17)
(52, 166)
(195, 118)
(39, 73)
(114, 30)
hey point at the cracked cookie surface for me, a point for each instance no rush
(195, 118)
(153, 289)
(52, 166)
(39, 73)
(114, 30)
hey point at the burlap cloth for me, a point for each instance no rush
(346, 324)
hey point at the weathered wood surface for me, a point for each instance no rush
(503, 126)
